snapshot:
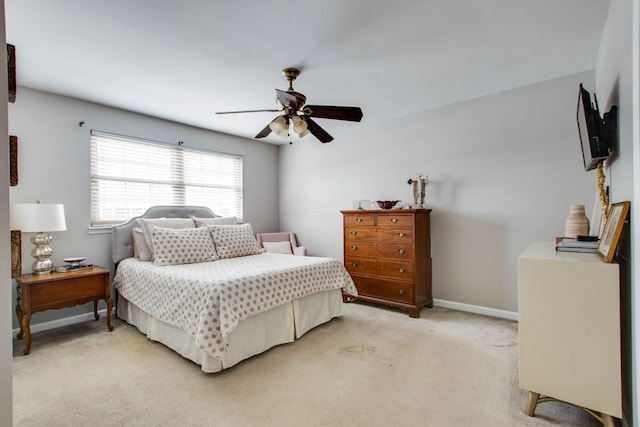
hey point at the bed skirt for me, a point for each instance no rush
(252, 336)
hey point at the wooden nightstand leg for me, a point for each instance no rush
(109, 308)
(24, 327)
(95, 310)
(533, 401)
(19, 315)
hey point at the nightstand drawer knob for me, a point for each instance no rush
(354, 264)
(358, 219)
(394, 220)
(401, 291)
(353, 233)
(354, 247)
(401, 234)
(401, 270)
(401, 251)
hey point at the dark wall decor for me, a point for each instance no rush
(11, 72)
(16, 254)
(13, 160)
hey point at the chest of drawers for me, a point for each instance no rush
(388, 255)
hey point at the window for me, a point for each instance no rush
(129, 175)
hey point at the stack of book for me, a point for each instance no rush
(575, 245)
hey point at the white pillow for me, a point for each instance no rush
(234, 240)
(175, 223)
(278, 247)
(181, 246)
(140, 248)
(203, 222)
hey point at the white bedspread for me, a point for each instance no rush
(207, 300)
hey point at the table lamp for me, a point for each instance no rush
(40, 219)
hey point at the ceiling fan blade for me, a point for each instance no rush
(288, 99)
(248, 111)
(264, 132)
(352, 114)
(317, 131)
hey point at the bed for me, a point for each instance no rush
(218, 308)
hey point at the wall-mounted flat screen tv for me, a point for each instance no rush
(596, 134)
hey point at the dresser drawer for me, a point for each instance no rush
(378, 267)
(383, 288)
(396, 235)
(354, 220)
(380, 250)
(394, 221)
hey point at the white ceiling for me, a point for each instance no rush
(185, 60)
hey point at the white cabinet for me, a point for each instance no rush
(569, 329)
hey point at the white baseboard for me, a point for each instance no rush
(476, 309)
(45, 326)
(52, 324)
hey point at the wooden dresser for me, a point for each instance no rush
(388, 255)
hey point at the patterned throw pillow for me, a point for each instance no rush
(181, 246)
(164, 223)
(234, 240)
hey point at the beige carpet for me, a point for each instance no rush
(372, 367)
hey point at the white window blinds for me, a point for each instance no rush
(129, 175)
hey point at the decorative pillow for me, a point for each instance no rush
(278, 247)
(203, 222)
(140, 248)
(175, 223)
(234, 240)
(181, 246)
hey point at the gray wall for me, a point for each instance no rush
(617, 83)
(503, 170)
(54, 167)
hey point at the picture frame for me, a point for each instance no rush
(361, 204)
(16, 254)
(612, 230)
(11, 72)
(13, 160)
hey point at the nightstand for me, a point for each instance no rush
(60, 290)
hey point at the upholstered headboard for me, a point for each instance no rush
(122, 238)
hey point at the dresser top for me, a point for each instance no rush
(384, 211)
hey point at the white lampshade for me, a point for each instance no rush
(37, 217)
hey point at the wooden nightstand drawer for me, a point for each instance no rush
(65, 293)
(387, 289)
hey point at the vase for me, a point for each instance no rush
(577, 223)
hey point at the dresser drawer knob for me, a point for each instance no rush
(401, 251)
(401, 270)
(353, 233)
(354, 264)
(401, 234)
(401, 291)
(354, 247)
(358, 219)
(394, 220)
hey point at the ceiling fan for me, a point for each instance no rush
(298, 116)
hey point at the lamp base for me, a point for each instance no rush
(41, 252)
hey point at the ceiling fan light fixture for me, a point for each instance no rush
(299, 126)
(280, 126)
